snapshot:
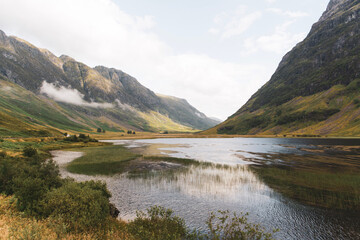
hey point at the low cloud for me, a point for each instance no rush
(280, 41)
(68, 95)
(124, 106)
(291, 14)
(235, 23)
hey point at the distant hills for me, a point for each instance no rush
(316, 87)
(42, 94)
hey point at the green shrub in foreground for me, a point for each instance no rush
(157, 223)
(81, 206)
(235, 227)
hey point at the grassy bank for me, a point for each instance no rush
(14, 225)
(115, 159)
(105, 160)
(335, 190)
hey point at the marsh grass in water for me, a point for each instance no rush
(115, 159)
(336, 190)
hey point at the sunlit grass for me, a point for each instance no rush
(105, 160)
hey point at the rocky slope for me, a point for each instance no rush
(86, 97)
(315, 89)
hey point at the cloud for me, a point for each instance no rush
(68, 95)
(98, 32)
(235, 23)
(291, 14)
(280, 41)
(223, 81)
(270, 1)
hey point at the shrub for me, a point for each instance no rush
(224, 226)
(29, 151)
(83, 136)
(157, 224)
(32, 181)
(28, 191)
(79, 206)
(9, 169)
(3, 154)
(99, 130)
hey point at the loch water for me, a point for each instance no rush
(194, 192)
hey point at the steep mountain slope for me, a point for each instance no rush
(86, 98)
(316, 88)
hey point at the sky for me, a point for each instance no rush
(213, 53)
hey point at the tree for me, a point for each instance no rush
(99, 130)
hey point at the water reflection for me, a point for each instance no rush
(217, 182)
(196, 191)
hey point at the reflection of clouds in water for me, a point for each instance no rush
(227, 183)
(193, 193)
(207, 182)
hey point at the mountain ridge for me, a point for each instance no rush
(314, 85)
(90, 89)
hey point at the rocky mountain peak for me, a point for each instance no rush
(66, 58)
(334, 7)
(4, 40)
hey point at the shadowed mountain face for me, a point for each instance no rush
(90, 98)
(315, 89)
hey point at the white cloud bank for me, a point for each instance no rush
(280, 41)
(98, 32)
(68, 95)
(235, 23)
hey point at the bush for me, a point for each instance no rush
(81, 206)
(157, 224)
(32, 181)
(224, 226)
(3, 154)
(82, 138)
(29, 151)
(9, 169)
(28, 191)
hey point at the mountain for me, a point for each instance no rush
(43, 94)
(316, 87)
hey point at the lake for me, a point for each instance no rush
(196, 191)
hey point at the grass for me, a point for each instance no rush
(336, 190)
(15, 226)
(115, 159)
(15, 146)
(328, 113)
(182, 161)
(105, 160)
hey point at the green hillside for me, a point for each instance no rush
(316, 88)
(42, 94)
